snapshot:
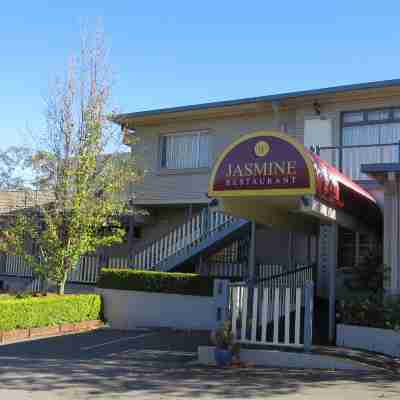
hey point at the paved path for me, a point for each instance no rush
(109, 364)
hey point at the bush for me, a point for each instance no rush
(35, 312)
(152, 281)
(372, 311)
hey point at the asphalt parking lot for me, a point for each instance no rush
(149, 364)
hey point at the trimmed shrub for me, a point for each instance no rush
(374, 310)
(35, 312)
(153, 281)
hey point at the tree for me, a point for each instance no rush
(86, 185)
(13, 162)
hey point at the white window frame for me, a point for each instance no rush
(198, 133)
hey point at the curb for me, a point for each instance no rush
(18, 335)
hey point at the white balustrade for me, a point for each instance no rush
(181, 238)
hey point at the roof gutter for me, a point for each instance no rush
(120, 118)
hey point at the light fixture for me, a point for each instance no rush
(317, 107)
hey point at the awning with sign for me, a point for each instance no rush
(267, 176)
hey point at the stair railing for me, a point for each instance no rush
(182, 237)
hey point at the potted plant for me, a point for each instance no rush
(226, 350)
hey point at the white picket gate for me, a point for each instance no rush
(274, 316)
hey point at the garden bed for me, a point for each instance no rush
(17, 335)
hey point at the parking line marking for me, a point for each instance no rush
(118, 340)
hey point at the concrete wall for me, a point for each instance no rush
(383, 341)
(14, 284)
(125, 309)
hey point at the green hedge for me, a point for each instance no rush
(373, 310)
(35, 312)
(152, 281)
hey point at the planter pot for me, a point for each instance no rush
(223, 358)
(378, 340)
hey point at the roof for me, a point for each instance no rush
(12, 200)
(120, 118)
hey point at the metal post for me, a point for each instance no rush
(252, 253)
(309, 261)
(332, 281)
(290, 262)
(399, 152)
(308, 315)
(221, 300)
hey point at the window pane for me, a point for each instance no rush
(378, 115)
(396, 113)
(204, 156)
(349, 118)
(183, 151)
(368, 134)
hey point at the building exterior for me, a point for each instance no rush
(347, 137)
(353, 125)
(355, 128)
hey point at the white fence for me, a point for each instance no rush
(87, 270)
(89, 267)
(16, 265)
(272, 316)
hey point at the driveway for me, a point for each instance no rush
(146, 364)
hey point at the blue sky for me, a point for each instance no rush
(168, 53)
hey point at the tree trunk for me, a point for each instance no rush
(61, 285)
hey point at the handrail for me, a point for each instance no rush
(288, 273)
(356, 146)
(349, 158)
(172, 243)
(202, 237)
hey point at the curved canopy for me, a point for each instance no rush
(275, 167)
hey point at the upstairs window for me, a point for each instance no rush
(187, 150)
(379, 129)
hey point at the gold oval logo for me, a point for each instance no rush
(261, 148)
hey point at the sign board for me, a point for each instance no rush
(263, 163)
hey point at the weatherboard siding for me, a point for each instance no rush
(190, 187)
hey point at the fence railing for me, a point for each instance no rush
(296, 277)
(16, 265)
(237, 270)
(86, 272)
(279, 316)
(349, 158)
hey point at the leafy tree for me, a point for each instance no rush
(85, 184)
